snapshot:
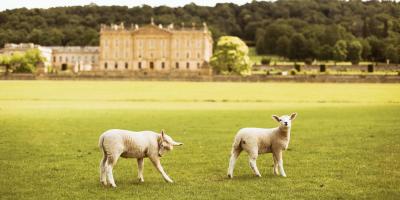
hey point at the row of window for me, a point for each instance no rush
(152, 42)
(151, 65)
(140, 53)
(78, 58)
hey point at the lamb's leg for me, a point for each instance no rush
(140, 162)
(280, 164)
(111, 161)
(253, 162)
(275, 169)
(103, 161)
(157, 164)
(234, 155)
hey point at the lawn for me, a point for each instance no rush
(345, 141)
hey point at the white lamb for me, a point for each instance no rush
(257, 141)
(128, 144)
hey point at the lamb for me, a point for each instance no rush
(257, 141)
(117, 143)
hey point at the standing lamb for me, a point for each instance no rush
(257, 141)
(128, 144)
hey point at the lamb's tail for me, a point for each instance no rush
(101, 141)
(237, 144)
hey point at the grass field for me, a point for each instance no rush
(345, 141)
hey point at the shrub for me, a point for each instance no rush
(265, 61)
(297, 67)
(308, 61)
(322, 68)
(231, 56)
(370, 68)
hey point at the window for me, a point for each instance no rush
(198, 65)
(177, 65)
(66, 59)
(126, 65)
(187, 65)
(54, 59)
(140, 65)
(187, 55)
(116, 66)
(163, 65)
(151, 65)
(105, 65)
(198, 55)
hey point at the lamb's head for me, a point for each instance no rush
(166, 143)
(285, 120)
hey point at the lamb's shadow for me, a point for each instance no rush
(246, 177)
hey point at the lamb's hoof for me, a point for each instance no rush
(104, 183)
(113, 185)
(170, 181)
(284, 175)
(141, 180)
(230, 176)
(258, 175)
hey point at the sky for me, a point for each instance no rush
(11, 4)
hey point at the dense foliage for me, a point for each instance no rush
(294, 29)
(231, 56)
(22, 62)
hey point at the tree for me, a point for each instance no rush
(22, 62)
(377, 48)
(340, 50)
(231, 56)
(325, 52)
(272, 33)
(354, 50)
(282, 46)
(392, 54)
(297, 47)
(5, 61)
(366, 49)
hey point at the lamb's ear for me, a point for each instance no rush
(276, 118)
(293, 116)
(162, 135)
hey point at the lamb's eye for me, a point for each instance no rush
(279, 119)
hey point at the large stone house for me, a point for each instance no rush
(154, 47)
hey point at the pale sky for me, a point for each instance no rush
(11, 4)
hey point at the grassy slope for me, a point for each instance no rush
(345, 142)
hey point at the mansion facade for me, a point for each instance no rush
(154, 47)
(149, 48)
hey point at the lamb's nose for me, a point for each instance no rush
(285, 123)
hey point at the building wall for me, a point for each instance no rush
(153, 48)
(75, 58)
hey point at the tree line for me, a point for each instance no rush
(308, 29)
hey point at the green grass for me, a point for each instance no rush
(345, 141)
